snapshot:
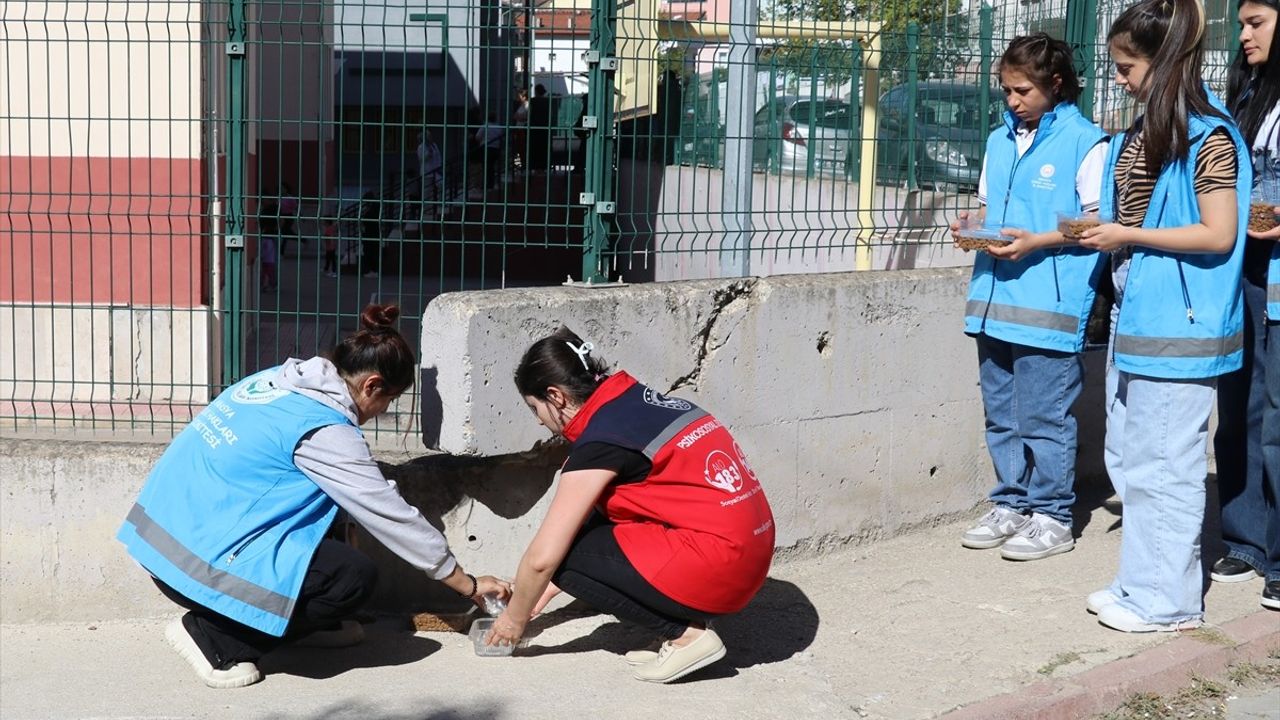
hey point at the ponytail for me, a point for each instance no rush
(378, 348)
(1170, 35)
(562, 360)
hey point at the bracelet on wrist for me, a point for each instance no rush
(475, 587)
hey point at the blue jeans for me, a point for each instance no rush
(1027, 395)
(1271, 450)
(1237, 443)
(1157, 440)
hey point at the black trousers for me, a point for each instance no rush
(339, 581)
(598, 573)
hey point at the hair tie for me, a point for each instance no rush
(582, 351)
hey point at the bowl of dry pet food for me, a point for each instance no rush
(1073, 225)
(1262, 216)
(974, 235)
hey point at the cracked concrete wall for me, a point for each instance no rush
(855, 395)
(64, 499)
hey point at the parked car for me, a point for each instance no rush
(793, 127)
(951, 130)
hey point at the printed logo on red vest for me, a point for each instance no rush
(722, 472)
(657, 399)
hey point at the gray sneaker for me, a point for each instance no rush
(994, 528)
(1041, 537)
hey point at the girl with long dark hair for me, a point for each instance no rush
(1248, 461)
(1177, 183)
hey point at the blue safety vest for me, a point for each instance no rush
(1182, 313)
(226, 518)
(1044, 299)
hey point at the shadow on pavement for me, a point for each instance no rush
(779, 623)
(372, 712)
(386, 644)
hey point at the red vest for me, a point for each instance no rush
(698, 528)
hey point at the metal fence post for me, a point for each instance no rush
(598, 195)
(985, 31)
(235, 228)
(853, 167)
(740, 107)
(1082, 30)
(913, 79)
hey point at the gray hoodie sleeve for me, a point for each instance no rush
(337, 458)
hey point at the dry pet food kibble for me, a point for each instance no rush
(1262, 217)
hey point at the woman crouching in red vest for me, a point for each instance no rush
(682, 533)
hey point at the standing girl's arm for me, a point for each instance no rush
(1215, 233)
(575, 495)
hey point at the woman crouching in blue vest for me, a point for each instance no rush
(1248, 464)
(657, 517)
(232, 521)
(1178, 184)
(1029, 301)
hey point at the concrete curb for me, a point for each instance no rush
(1162, 669)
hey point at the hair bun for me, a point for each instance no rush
(379, 317)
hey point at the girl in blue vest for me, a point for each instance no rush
(657, 517)
(232, 521)
(1029, 302)
(1250, 516)
(1177, 184)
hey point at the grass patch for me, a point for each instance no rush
(1202, 698)
(1211, 636)
(1058, 661)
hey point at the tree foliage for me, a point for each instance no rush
(944, 40)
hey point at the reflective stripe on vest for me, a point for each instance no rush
(204, 573)
(664, 437)
(1179, 347)
(1046, 319)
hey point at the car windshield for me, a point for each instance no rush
(958, 110)
(832, 114)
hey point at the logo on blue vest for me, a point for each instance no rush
(657, 399)
(257, 392)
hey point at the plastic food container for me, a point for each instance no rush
(1262, 216)
(1266, 193)
(976, 236)
(1073, 225)
(479, 629)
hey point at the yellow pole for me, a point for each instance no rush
(867, 150)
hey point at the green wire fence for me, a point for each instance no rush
(157, 155)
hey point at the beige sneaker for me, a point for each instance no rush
(238, 675)
(673, 663)
(640, 657)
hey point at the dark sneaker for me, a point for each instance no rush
(1271, 595)
(1231, 570)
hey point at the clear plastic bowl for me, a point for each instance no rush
(1071, 225)
(479, 629)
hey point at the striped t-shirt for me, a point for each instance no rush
(1215, 170)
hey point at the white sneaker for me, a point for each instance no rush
(1100, 599)
(1125, 620)
(1040, 537)
(994, 528)
(238, 675)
